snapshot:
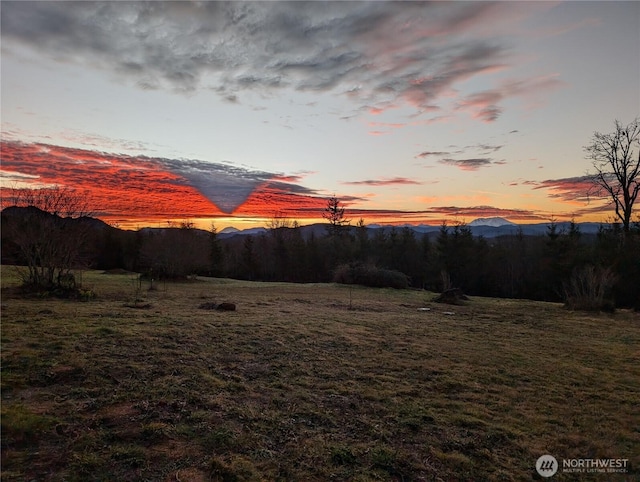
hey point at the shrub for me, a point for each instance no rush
(370, 275)
(71, 293)
(587, 289)
(85, 294)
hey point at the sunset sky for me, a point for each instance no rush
(238, 112)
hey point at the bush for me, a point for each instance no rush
(370, 275)
(587, 289)
(85, 294)
(75, 293)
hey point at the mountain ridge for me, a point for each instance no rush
(486, 227)
(484, 230)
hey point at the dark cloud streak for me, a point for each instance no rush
(432, 153)
(384, 182)
(467, 164)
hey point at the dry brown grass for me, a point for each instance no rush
(308, 382)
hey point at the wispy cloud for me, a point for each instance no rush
(425, 154)
(11, 132)
(476, 156)
(233, 48)
(488, 148)
(486, 105)
(467, 164)
(384, 182)
(574, 190)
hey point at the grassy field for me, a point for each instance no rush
(309, 382)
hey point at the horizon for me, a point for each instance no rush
(290, 224)
(237, 113)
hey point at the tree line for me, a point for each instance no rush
(50, 233)
(514, 266)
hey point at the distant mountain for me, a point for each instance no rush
(539, 229)
(418, 228)
(24, 212)
(230, 232)
(494, 222)
(486, 227)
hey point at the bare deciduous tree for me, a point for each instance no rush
(48, 234)
(280, 220)
(616, 159)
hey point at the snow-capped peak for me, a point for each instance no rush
(493, 222)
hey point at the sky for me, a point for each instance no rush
(240, 113)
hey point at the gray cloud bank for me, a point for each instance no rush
(467, 163)
(378, 54)
(225, 185)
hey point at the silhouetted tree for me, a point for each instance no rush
(334, 213)
(616, 159)
(176, 252)
(405, 252)
(249, 263)
(515, 260)
(563, 253)
(428, 268)
(339, 241)
(621, 252)
(378, 245)
(362, 241)
(455, 248)
(215, 252)
(110, 249)
(51, 234)
(284, 249)
(317, 259)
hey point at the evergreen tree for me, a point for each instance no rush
(335, 214)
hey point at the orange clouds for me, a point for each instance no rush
(126, 189)
(118, 185)
(270, 200)
(572, 190)
(139, 190)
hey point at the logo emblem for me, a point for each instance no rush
(547, 466)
